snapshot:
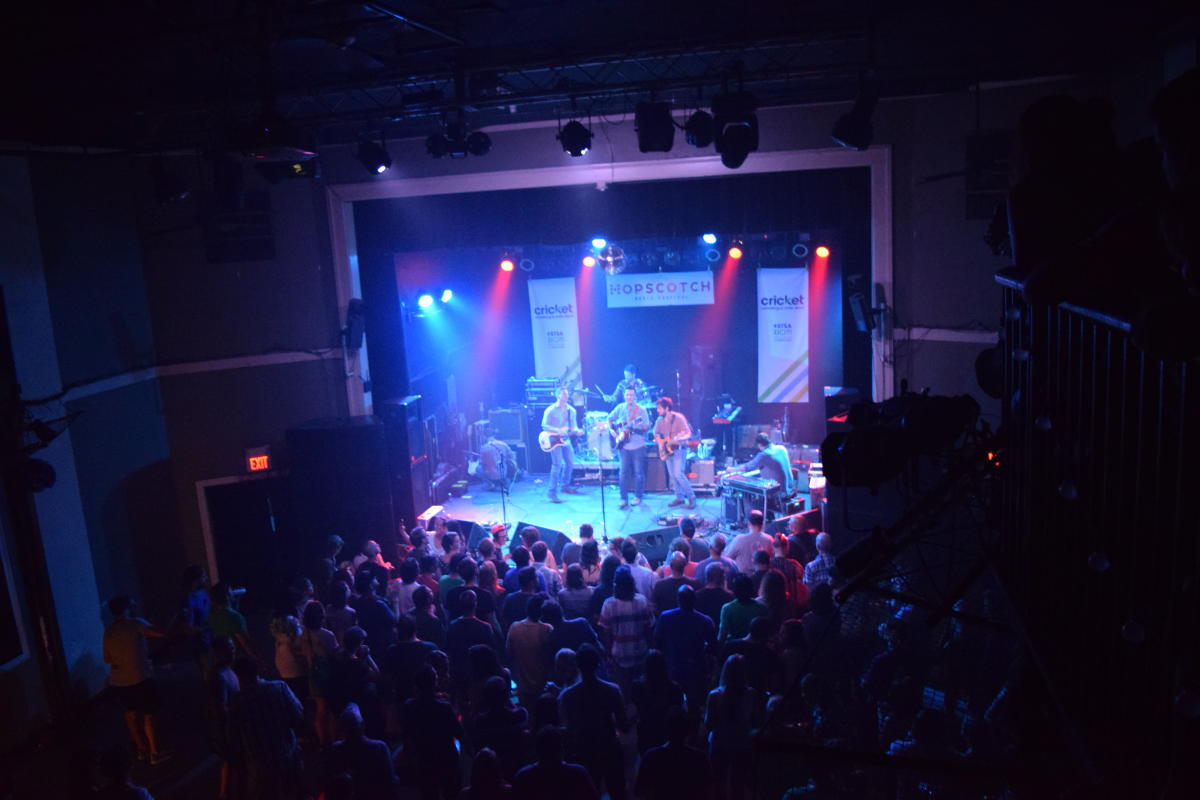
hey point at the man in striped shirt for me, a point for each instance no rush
(628, 625)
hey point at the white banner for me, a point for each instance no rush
(782, 335)
(555, 318)
(640, 289)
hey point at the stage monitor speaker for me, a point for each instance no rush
(555, 540)
(338, 480)
(656, 472)
(472, 533)
(508, 424)
(780, 524)
(654, 544)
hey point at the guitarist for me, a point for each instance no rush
(559, 419)
(629, 421)
(672, 433)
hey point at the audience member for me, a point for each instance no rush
(576, 596)
(687, 638)
(367, 761)
(655, 695)
(328, 563)
(627, 625)
(762, 661)
(428, 575)
(374, 616)
(697, 549)
(222, 684)
(737, 614)
(402, 660)
(678, 547)
(643, 576)
(733, 712)
(675, 769)
(516, 604)
(356, 678)
(666, 590)
(263, 719)
(713, 597)
(485, 602)
(773, 594)
(566, 633)
(451, 549)
(485, 664)
(604, 590)
(132, 675)
(593, 713)
(551, 778)
(820, 569)
(526, 647)
(400, 589)
(572, 551)
(225, 620)
(499, 726)
(465, 632)
(429, 626)
(762, 564)
(565, 672)
(371, 560)
(746, 545)
(487, 779)
(319, 647)
(529, 536)
(589, 562)
(287, 632)
(521, 558)
(820, 628)
(541, 552)
(339, 615)
(927, 739)
(716, 555)
(430, 731)
(792, 571)
(802, 546)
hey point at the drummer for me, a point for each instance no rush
(630, 381)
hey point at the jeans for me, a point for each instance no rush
(677, 474)
(562, 468)
(633, 464)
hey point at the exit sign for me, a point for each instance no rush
(258, 459)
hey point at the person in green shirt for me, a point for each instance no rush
(737, 614)
(225, 620)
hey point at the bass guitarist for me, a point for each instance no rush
(559, 422)
(629, 423)
(672, 433)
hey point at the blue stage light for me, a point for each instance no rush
(599, 243)
(425, 300)
(709, 238)
(447, 295)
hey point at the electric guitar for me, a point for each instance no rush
(549, 440)
(666, 448)
(621, 432)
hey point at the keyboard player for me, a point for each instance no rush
(771, 463)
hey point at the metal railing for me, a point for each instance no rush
(1100, 528)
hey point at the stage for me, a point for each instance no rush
(527, 503)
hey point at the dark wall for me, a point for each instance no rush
(456, 241)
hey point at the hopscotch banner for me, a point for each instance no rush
(641, 289)
(783, 336)
(555, 318)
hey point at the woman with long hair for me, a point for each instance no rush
(608, 571)
(733, 711)
(773, 594)
(487, 779)
(319, 646)
(576, 597)
(589, 562)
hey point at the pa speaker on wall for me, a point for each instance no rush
(408, 461)
(653, 544)
(555, 540)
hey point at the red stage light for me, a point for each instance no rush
(735, 253)
(507, 265)
(589, 261)
(822, 252)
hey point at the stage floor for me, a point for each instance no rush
(527, 502)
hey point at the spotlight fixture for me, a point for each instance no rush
(455, 141)
(698, 130)
(447, 296)
(589, 261)
(799, 250)
(527, 264)
(822, 251)
(599, 243)
(712, 254)
(425, 301)
(735, 252)
(654, 126)
(576, 139)
(853, 130)
(374, 157)
(507, 265)
(709, 238)
(735, 127)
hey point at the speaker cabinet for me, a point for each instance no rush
(555, 540)
(653, 544)
(537, 461)
(508, 424)
(410, 473)
(656, 472)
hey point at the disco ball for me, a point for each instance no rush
(613, 259)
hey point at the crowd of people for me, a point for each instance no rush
(516, 671)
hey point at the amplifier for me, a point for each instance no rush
(703, 472)
(508, 424)
(656, 472)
